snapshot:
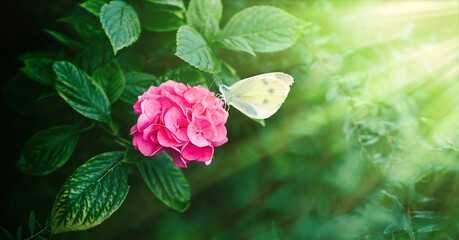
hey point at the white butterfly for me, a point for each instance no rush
(259, 96)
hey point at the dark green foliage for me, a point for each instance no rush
(48, 150)
(166, 181)
(81, 92)
(366, 145)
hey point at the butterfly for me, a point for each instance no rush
(260, 96)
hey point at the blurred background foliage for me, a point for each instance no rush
(366, 145)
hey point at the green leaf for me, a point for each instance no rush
(38, 69)
(261, 29)
(174, 3)
(166, 181)
(93, 6)
(136, 84)
(91, 194)
(184, 74)
(158, 20)
(81, 92)
(121, 24)
(48, 149)
(430, 228)
(111, 78)
(204, 16)
(65, 40)
(94, 56)
(6, 233)
(32, 222)
(130, 61)
(87, 27)
(259, 121)
(29, 98)
(19, 232)
(133, 156)
(193, 49)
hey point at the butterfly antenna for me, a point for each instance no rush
(211, 69)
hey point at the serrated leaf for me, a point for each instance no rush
(237, 43)
(193, 49)
(65, 40)
(261, 29)
(111, 78)
(136, 84)
(158, 20)
(81, 92)
(204, 16)
(32, 222)
(184, 74)
(166, 181)
(93, 6)
(91, 194)
(121, 24)
(48, 149)
(38, 69)
(174, 3)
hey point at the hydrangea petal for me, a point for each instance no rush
(143, 122)
(151, 108)
(165, 140)
(219, 116)
(176, 157)
(147, 148)
(185, 121)
(192, 95)
(195, 134)
(171, 118)
(193, 152)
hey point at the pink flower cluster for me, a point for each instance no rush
(187, 122)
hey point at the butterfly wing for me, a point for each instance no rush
(262, 95)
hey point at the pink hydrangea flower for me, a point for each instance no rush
(187, 122)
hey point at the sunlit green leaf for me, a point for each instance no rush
(91, 194)
(193, 49)
(261, 29)
(121, 24)
(204, 16)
